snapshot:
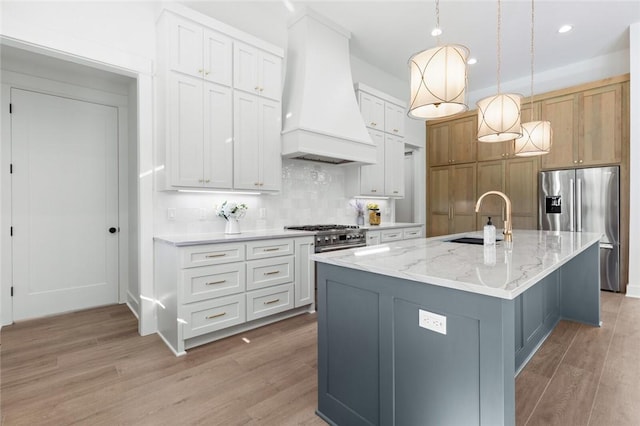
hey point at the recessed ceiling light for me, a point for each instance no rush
(565, 29)
(472, 61)
(436, 32)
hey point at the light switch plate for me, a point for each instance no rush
(171, 213)
(433, 322)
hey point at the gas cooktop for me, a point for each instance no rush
(317, 228)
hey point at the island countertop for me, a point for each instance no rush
(500, 272)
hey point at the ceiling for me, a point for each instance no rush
(386, 33)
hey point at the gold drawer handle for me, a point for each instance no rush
(271, 301)
(272, 273)
(395, 192)
(216, 282)
(272, 249)
(216, 315)
(209, 256)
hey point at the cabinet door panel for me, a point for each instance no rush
(463, 139)
(186, 130)
(493, 151)
(218, 137)
(490, 178)
(246, 158)
(438, 142)
(185, 47)
(372, 110)
(561, 113)
(601, 120)
(521, 186)
(463, 188)
(439, 225)
(270, 75)
(439, 208)
(394, 119)
(270, 159)
(393, 166)
(372, 176)
(217, 57)
(245, 68)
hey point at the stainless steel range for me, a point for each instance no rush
(335, 237)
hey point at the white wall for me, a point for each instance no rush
(633, 288)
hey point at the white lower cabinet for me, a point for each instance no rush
(389, 235)
(211, 291)
(393, 234)
(373, 238)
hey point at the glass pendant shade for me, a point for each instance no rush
(499, 118)
(536, 139)
(438, 82)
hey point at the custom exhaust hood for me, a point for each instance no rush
(322, 120)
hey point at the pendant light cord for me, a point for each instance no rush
(498, 48)
(532, 50)
(438, 21)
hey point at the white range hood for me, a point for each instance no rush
(322, 121)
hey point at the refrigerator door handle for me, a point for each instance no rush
(571, 204)
(579, 205)
(606, 246)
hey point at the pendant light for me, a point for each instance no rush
(438, 79)
(536, 136)
(499, 115)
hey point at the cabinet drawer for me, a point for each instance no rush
(268, 272)
(212, 254)
(269, 248)
(373, 238)
(390, 235)
(207, 282)
(212, 315)
(409, 233)
(268, 301)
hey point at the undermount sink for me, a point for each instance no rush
(470, 240)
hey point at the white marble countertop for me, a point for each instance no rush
(220, 237)
(493, 272)
(390, 225)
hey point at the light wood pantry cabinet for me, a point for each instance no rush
(452, 142)
(211, 291)
(587, 128)
(518, 179)
(451, 200)
(257, 164)
(505, 150)
(213, 114)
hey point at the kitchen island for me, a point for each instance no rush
(433, 332)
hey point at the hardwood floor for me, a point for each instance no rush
(92, 368)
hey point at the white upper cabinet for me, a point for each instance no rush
(372, 176)
(372, 110)
(218, 136)
(393, 166)
(199, 52)
(257, 71)
(257, 161)
(394, 117)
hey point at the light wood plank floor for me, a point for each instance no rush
(92, 368)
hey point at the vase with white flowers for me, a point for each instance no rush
(231, 212)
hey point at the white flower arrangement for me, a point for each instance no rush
(232, 210)
(359, 206)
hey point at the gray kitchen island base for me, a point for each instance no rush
(377, 366)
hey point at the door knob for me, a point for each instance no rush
(113, 230)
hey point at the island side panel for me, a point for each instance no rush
(580, 287)
(422, 375)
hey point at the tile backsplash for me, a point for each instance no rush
(312, 193)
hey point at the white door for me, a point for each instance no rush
(64, 200)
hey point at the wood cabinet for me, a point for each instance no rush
(587, 128)
(452, 142)
(518, 179)
(452, 197)
(219, 109)
(256, 71)
(212, 291)
(257, 164)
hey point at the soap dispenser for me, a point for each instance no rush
(489, 234)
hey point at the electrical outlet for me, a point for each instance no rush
(203, 214)
(433, 322)
(262, 213)
(171, 213)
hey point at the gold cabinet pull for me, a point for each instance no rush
(271, 301)
(272, 249)
(209, 256)
(257, 88)
(207, 72)
(395, 192)
(272, 272)
(200, 71)
(374, 190)
(216, 282)
(216, 315)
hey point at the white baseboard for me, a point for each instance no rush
(133, 304)
(633, 291)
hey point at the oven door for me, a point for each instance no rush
(338, 247)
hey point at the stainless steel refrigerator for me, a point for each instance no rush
(585, 200)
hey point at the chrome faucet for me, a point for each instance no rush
(508, 232)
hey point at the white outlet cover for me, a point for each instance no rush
(432, 321)
(171, 213)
